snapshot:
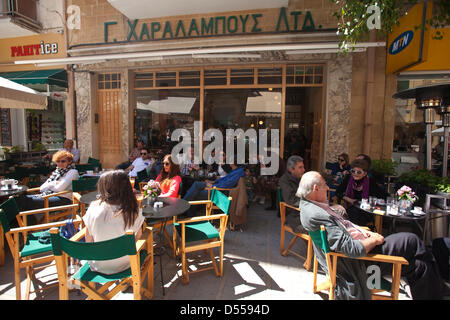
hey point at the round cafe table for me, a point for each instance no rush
(171, 207)
(16, 190)
(411, 218)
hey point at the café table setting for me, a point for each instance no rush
(9, 187)
(392, 209)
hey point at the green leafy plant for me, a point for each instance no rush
(426, 178)
(17, 148)
(444, 185)
(384, 166)
(353, 15)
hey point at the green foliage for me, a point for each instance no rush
(384, 167)
(426, 178)
(353, 15)
(17, 148)
(37, 146)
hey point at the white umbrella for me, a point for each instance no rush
(14, 95)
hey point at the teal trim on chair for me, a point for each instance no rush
(101, 250)
(220, 200)
(10, 210)
(33, 246)
(86, 274)
(196, 231)
(320, 239)
(85, 184)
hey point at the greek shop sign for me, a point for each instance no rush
(212, 26)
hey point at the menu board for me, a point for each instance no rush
(5, 124)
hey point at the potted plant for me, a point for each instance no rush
(406, 197)
(442, 188)
(381, 168)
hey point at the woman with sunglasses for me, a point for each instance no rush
(355, 187)
(59, 180)
(341, 168)
(169, 178)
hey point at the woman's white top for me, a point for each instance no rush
(64, 183)
(105, 222)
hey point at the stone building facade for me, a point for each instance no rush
(344, 125)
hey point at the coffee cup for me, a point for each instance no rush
(417, 209)
(9, 183)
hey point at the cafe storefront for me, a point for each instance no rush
(138, 74)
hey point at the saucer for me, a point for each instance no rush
(418, 213)
(6, 189)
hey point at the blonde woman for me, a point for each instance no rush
(59, 180)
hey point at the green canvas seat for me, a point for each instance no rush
(23, 241)
(86, 274)
(141, 263)
(83, 168)
(200, 229)
(33, 246)
(95, 163)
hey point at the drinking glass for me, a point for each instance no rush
(373, 201)
(132, 179)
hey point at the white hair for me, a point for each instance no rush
(307, 182)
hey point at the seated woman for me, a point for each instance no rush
(169, 178)
(341, 168)
(355, 187)
(59, 180)
(109, 217)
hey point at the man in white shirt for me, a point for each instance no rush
(140, 163)
(68, 146)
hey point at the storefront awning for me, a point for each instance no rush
(14, 95)
(56, 77)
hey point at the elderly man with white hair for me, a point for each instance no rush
(345, 237)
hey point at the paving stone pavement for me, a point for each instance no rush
(253, 270)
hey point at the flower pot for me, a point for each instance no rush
(404, 207)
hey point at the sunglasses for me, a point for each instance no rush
(61, 161)
(143, 153)
(166, 163)
(354, 171)
(340, 159)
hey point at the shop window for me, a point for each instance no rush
(304, 74)
(269, 76)
(189, 78)
(5, 122)
(242, 76)
(143, 80)
(215, 77)
(166, 79)
(109, 81)
(159, 112)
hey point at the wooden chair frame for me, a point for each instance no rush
(304, 236)
(47, 217)
(138, 272)
(33, 262)
(330, 283)
(183, 248)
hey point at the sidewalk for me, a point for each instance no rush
(253, 270)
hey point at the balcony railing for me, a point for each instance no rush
(21, 12)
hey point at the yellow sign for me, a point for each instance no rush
(438, 50)
(406, 41)
(42, 46)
